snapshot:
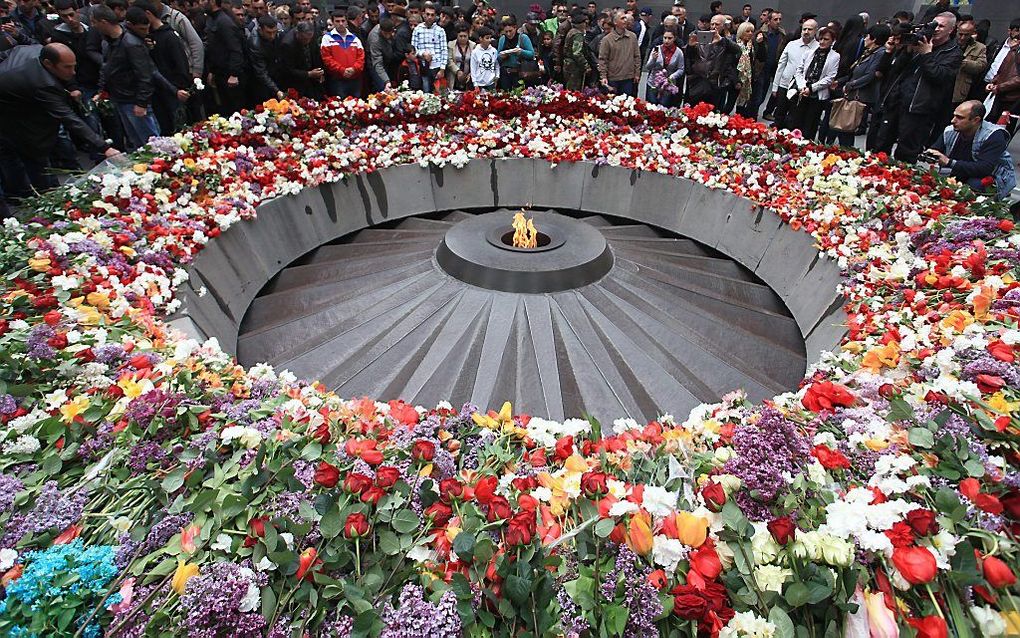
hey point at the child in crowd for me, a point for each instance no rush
(410, 71)
(484, 61)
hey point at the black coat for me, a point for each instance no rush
(171, 58)
(265, 65)
(35, 104)
(224, 45)
(926, 86)
(296, 60)
(87, 47)
(127, 70)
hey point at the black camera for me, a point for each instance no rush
(927, 156)
(916, 33)
(6, 19)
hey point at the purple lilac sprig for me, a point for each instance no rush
(416, 617)
(630, 576)
(767, 454)
(213, 600)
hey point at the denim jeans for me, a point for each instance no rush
(624, 87)
(343, 87)
(137, 130)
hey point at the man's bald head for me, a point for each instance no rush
(59, 60)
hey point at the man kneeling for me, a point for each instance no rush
(974, 151)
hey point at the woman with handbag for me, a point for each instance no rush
(458, 68)
(860, 88)
(516, 55)
(811, 85)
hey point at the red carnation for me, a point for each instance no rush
(783, 530)
(564, 448)
(900, 534)
(326, 475)
(830, 459)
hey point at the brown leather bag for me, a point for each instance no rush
(846, 115)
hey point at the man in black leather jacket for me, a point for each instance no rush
(127, 75)
(264, 53)
(224, 45)
(923, 89)
(35, 101)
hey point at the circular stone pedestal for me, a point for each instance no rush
(571, 255)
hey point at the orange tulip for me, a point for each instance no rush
(68, 535)
(686, 527)
(188, 536)
(184, 573)
(639, 533)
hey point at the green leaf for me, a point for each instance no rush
(784, 626)
(974, 468)
(797, 594)
(604, 527)
(517, 588)
(921, 437)
(735, 519)
(405, 521)
(616, 619)
(464, 546)
(330, 524)
(900, 410)
(389, 544)
(173, 481)
(268, 602)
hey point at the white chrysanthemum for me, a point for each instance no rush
(668, 552)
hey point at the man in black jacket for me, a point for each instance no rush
(301, 62)
(224, 45)
(264, 54)
(35, 101)
(173, 79)
(87, 46)
(923, 89)
(127, 75)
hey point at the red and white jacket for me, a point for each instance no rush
(341, 52)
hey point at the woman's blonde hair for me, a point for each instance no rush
(742, 29)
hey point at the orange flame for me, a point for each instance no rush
(525, 234)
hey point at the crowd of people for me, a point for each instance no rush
(105, 76)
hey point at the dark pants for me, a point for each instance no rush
(23, 175)
(910, 131)
(509, 78)
(231, 98)
(169, 111)
(624, 87)
(781, 109)
(806, 115)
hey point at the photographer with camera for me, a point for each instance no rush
(924, 86)
(974, 151)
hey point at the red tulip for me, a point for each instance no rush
(326, 475)
(68, 535)
(306, 563)
(997, 573)
(356, 483)
(915, 564)
(826, 395)
(485, 489)
(564, 448)
(929, 627)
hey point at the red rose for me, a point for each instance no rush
(257, 526)
(58, 341)
(499, 509)
(372, 495)
(439, 513)
(4, 326)
(714, 495)
(322, 434)
(485, 489)
(1011, 504)
(527, 502)
(594, 484)
(356, 526)
(915, 564)
(564, 448)
(688, 603)
(450, 489)
(922, 521)
(997, 573)
(326, 475)
(705, 561)
(356, 483)
(52, 317)
(372, 457)
(521, 529)
(386, 476)
(826, 395)
(830, 459)
(783, 530)
(929, 627)
(423, 450)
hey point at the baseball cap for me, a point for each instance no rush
(646, 11)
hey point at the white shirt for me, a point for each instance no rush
(790, 60)
(997, 62)
(819, 89)
(484, 66)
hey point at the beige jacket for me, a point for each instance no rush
(619, 56)
(975, 63)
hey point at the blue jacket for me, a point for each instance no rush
(513, 60)
(862, 83)
(989, 159)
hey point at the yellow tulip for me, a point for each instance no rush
(639, 534)
(691, 530)
(881, 620)
(1012, 619)
(39, 264)
(74, 407)
(98, 299)
(183, 574)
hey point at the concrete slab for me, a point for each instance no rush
(659, 199)
(748, 232)
(608, 189)
(473, 186)
(705, 215)
(560, 186)
(515, 183)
